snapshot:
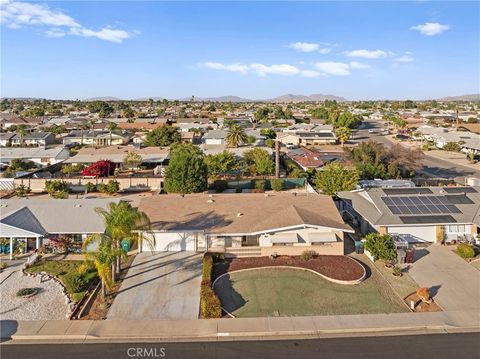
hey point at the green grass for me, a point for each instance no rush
(289, 292)
(60, 268)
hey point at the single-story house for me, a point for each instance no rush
(6, 138)
(95, 138)
(37, 221)
(245, 224)
(40, 139)
(305, 158)
(42, 157)
(307, 138)
(421, 214)
(215, 137)
(468, 141)
(116, 154)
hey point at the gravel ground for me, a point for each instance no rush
(48, 304)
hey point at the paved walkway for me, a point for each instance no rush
(163, 285)
(455, 283)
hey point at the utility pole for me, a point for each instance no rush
(277, 159)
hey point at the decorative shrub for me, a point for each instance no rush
(100, 169)
(90, 187)
(22, 190)
(397, 271)
(465, 250)
(307, 255)
(60, 195)
(26, 291)
(259, 184)
(111, 187)
(56, 186)
(3, 265)
(75, 282)
(276, 184)
(381, 246)
(210, 306)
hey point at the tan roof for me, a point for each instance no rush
(117, 153)
(240, 213)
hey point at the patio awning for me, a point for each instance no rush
(284, 237)
(318, 237)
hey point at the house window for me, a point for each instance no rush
(282, 244)
(456, 228)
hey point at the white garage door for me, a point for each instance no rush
(425, 233)
(171, 242)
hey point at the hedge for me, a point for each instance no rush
(210, 306)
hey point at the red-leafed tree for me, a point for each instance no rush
(99, 169)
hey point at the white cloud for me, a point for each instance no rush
(310, 73)
(358, 65)
(431, 28)
(333, 68)
(404, 58)
(243, 69)
(283, 69)
(367, 54)
(16, 14)
(310, 47)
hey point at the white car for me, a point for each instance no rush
(291, 146)
(372, 131)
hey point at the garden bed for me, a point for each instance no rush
(335, 267)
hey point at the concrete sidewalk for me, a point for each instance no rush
(232, 329)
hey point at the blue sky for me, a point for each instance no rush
(359, 50)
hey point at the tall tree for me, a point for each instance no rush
(132, 159)
(259, 162)
(221, 163)
(186, 171)
(21, 131)
(235, 136)
(163, 136)
(343, 134)
(111, 126)
(334, 178)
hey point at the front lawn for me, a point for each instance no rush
(62, 269)
(291, 292)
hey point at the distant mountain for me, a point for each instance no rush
(220, 99)
(472, 97)
(303, 98)
(105, 98)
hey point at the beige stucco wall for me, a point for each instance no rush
(335, 248)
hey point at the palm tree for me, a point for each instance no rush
(103, 258)
(343, 134)
(111, 126)
(21, 132)
(236, 135)
(122, 221)
(83, 127)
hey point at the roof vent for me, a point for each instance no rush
(77, 205)
(210, 201)
(239, 214)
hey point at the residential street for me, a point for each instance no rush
(433, 167)
(439, 346)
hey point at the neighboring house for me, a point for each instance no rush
(6, 138)
(245, 224)
(391, 183)
(42, 157)
(215, 137)
(9, 121)
(305, 158)
(202, 127)
(440, 136)
(36, 221)
(420, 214)
(116, 154)
(308, 138)
(190, 137)
(40, 139)
(95, 138)
(259, 138)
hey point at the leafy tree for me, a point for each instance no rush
(251, 139)
(268, 133)
(402, 161)
(104, 109)
(259, 162)
(187, 171)
(381, 246)
(90, 187)
(334, 178)
(69, 169)
(343, 134)
(22, 190)
(99, 169)
(221, 163)
(111, 126)
(370, 159)
(270, 143)
(276, 184)
(21, 131)
(452, 146)
(320, 113)
(111, 187)
(236, 136)
(163, 136)
(132, 159)
(57, 188)
(17, 165)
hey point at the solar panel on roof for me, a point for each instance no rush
(434, 209)
(404, 210)
(409, 190)
(460, 190)
(427, 219)
(453, 209)
(394, 209)
(459, 199)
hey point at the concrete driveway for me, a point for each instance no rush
(162, 285)
(454, 283)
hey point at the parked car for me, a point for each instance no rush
(291, 146)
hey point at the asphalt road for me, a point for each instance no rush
(432, 166)
(438, 346)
